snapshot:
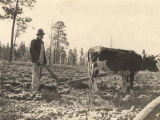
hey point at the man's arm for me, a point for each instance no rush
(45, 60)
(33, 52)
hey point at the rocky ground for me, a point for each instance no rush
(70, 101)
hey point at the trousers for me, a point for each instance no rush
(36, 76)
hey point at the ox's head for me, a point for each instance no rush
(149, 63)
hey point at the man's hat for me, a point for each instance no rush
(40, 31)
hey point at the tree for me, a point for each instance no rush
(62, 55)
(59, 40)
(144, 53)
(4, 51)
(60, 36)
(20, 52)
(75, 55)
(22, 24)
(86, 58)
(50, 48)
(70, 57)
(82, 57)
(13, 8)
(0, 51)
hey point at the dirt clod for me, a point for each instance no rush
(70, 102)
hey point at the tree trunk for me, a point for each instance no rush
(50, 53)
(12, 35)
(60, 59)
(50, 50)
(14, 49)
(53, 55)
(14, 44)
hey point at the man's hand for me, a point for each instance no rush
(38, 63)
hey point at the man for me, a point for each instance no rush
(38, 58)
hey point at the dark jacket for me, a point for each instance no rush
(35, 50)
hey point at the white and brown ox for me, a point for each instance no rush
(125, 63)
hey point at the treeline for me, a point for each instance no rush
(70, 57)
(20, 52)
(58, 56)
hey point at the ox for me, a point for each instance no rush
(125, 63)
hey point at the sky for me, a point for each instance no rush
(131, 24)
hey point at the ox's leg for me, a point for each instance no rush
(95, 88)
(94, 73)
(125, 79)
(124, 87)
(90, 91)
(131, 83)
(90, 82)
(124, 84)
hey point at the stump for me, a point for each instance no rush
(149, 110)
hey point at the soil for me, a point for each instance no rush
(71, 101)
